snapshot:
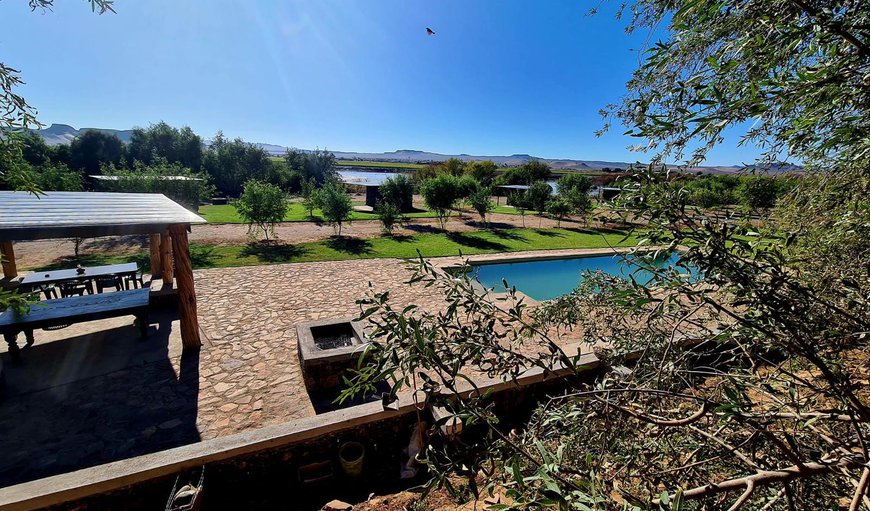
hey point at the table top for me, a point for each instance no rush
(54, 276)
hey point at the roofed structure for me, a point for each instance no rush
(26, 216)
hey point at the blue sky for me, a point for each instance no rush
(499, 77)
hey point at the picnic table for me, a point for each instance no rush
(75, 309)
(37, 279)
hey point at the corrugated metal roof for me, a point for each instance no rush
(101, 177)
(87, 214)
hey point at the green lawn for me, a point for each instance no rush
(404, 247)
(227, 214)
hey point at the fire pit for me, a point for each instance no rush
(328, 350)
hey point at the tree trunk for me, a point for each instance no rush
(166, 258)
(154, 252)
(10, 269)
(186, 291)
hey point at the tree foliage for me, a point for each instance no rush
(262, 205)
(162, 141)
(92, 149)
(231, 163)
(798, 70)
(335, 204)
(440, 194)
(173, 180)
(398, 190)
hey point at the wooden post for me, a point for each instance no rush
(186, 292)
(166, 258)
(154, 249)
(10, 270)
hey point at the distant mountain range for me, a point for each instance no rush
(64, 134)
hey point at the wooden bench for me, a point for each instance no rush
(76, 309)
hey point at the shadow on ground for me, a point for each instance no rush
(354, 246)
(272, 252)
(94, 398)
(466, 240)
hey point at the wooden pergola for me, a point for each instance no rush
(51, 215)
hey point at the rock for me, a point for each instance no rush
(337, 505)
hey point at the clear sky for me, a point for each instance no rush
(499, 77)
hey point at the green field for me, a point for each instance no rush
(403, 247)
(381, 164)
(227, 214)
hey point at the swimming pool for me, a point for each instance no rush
(545, 279)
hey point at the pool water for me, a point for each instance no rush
(550, 278)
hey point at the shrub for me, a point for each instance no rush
(481, 202)
(573, 183)
(173, 180)
(336, 204)
(389, 215)
(483, 171)
(310, 196)
(262, 205)
(538, 196)
(440, 194)
(559, 208)
(398, 191)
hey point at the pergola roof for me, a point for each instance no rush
(24, 216)
(367, 184)
(101, 177)
(514, 187)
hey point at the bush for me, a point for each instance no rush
(483, 171)
(559, 208)
(171, 179)
(481, 202)
(262, 205)
(758, 192)
(336, 204)
(574, 183)
(310, 196)
(440, 194)
(398, 191)
(49, 177)
(389, 215)
(538, 196)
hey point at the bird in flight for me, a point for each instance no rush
(429, 31)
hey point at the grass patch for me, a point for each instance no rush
(399, 247)
(381, 164)
(227, 214)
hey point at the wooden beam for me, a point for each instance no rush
(10, 270)
(166, 265)
(154, 249)
(186, 291)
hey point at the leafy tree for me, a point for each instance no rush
(93, 148)
(440, 194)
(572, 183)
(162, 141)
(758, 192)
(317, 164)
(335, 204)
(483, 171)
(480, 200)
(231, 163)
(310, 196)
(34, 150)
(520, 201)
(525, 174)
(389, 215)
(398, 190)
(453, 166)
(559, 208)
(538, 196)
(795, 69)
(262, 205)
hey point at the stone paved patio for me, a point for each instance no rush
(94, 392)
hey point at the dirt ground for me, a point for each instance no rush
(32, 254)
